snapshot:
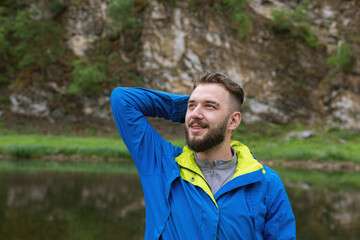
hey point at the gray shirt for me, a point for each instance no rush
(219, 173)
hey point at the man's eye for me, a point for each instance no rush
(191, 105)
(210, 106)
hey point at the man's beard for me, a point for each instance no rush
(213, 138)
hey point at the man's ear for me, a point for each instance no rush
(235, 120)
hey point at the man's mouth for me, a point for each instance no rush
(197, 127)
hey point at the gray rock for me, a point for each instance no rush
(300, 135)
(28, 106)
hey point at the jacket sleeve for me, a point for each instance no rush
(279, 220)
(130, 107)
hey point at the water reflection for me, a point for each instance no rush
(71, 206)
(110, 206)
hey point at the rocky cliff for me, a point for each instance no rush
(286, 78)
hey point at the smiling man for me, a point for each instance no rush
(213, 188)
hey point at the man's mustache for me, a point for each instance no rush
(198, 122)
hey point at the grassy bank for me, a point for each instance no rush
(30, 146)
(319, 149)
(32, 152)
(54, 166)
(266, 143)
(272, 142)
(331, 181)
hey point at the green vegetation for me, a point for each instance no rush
(269, 143)
(121, 12)
(28, 146)
(342, 60)
(104, 64)
(333, 181)
(294, 22)
(87, 167)
(90, 75)
(266, 142)
(317, 148)
(236, 8)
(35, 41)
(87, 78)
(33, 37)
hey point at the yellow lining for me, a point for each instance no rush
(246, 162)
(191, 172)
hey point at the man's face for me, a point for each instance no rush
(207, 116)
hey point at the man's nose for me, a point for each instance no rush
(197, 112)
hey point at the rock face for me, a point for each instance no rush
(284, 82)
(85, 24)
(284, 79)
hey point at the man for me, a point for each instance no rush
(213, 188)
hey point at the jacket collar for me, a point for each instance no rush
(246, 162)
(248, 170)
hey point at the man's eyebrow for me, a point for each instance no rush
(206, 101)
(212, 102)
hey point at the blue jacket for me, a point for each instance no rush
(179, 203)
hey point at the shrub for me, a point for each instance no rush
(86, 77)
(281, 20)
(37, 41)
(243, 21)
(121, 13)
(299, 13)
(4, 44)
(303, 32)
(295, 22)
(343, 58)
(237, 10)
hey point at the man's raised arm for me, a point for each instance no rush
(130, 106)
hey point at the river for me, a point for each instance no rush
(75, 206)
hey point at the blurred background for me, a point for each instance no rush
(66, 174)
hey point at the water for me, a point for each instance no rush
(321, 214)
(70, 206)
(76, 206)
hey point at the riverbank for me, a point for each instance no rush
(276, 145)
(303, 157)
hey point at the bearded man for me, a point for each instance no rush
(213, 188)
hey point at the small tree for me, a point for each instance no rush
(121, 12)
(343, 58)
(237, 10)
(37, 42)
(295, 22)
(86, 77)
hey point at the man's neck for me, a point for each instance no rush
(219, 152)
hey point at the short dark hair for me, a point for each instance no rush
(235, 90)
